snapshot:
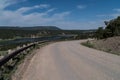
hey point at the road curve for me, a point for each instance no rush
(71, 61)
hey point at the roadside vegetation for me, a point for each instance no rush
(8, 69)
(112, 29)
(107, 39)
(88, 44)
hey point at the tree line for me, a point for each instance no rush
(111, 29)
(15, 33)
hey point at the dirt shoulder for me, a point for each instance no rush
(111, 45)
(22, 67)
(25, 63)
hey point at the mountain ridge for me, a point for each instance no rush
(30, 28)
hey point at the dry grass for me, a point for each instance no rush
(111, 45)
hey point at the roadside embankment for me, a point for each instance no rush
(111, 45)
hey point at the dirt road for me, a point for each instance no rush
(72, 61)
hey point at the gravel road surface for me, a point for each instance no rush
(71, 61)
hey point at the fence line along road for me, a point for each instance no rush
(13, 54)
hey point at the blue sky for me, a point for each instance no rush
(66, 14)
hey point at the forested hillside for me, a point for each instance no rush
(31, 32)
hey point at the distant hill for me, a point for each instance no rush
(31, 28)
(9, 32)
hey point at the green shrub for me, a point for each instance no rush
(88, 44)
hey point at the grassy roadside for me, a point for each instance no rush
(10, 67)
(88, 44)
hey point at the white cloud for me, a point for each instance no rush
(5, 3)
(81, 6)
(110, 15)
(115, 15)
(17, 18)
(101, 15)
(61, 15)
(117, 9)
(25, 9)
(48, 17)
(81, 25)
(43, 6)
